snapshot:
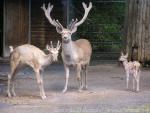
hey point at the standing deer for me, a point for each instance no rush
(74, 53)
(131, 68)
(33, 57)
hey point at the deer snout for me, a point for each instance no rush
(65, 37)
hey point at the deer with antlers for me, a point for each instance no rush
(33, 57)
(74, 53)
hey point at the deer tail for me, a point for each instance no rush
(11, 49)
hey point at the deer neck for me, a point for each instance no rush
(68, 47)
(125, 63)
(69, 52)
(47, 59)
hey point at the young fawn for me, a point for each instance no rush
(131, 68)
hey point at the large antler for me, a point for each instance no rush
(75, 23)
(54, 22)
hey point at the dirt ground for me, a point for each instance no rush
(106, 92)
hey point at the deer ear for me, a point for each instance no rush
(47, 47)
(126, 55)
(122, 53)
(59, 30)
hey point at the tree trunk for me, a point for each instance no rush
(137, 29)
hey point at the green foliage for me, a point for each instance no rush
(104, 24)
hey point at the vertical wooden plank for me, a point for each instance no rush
(1, 28)
(16, 23)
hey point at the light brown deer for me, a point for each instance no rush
(131, 68)
(33, 57)
(74, 53)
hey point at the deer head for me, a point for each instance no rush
(53, 51)
(72, 27)
(123, 57)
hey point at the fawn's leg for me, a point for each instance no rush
(127, 80)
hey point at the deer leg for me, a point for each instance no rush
(137, 89)
(13, 88)
(127, 80)
(82, 78)
(133, 78)
(67, 77)
(78, 69)
(11, 82)
(40, 83)
(137, 82)
(85, 80)
(42, 86)
(8, 87)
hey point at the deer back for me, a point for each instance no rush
(26, 53)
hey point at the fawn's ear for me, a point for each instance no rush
(126, 55)
(122, 53)
(48, 47)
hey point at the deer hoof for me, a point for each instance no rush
(64, 91)
(85, 87)
(43, 97)
(14, 94)
(8, 94)
(137, 90)
(80, 90)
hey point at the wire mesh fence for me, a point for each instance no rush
(103, 27)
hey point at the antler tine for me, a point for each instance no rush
(50, 7)
(69, 26)
(59, 23)
(58, 45)
(73, 24)
(51, 44)
(43, 7)
(56, 23)
(85, 6)
(47, 12)
(86, 11)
